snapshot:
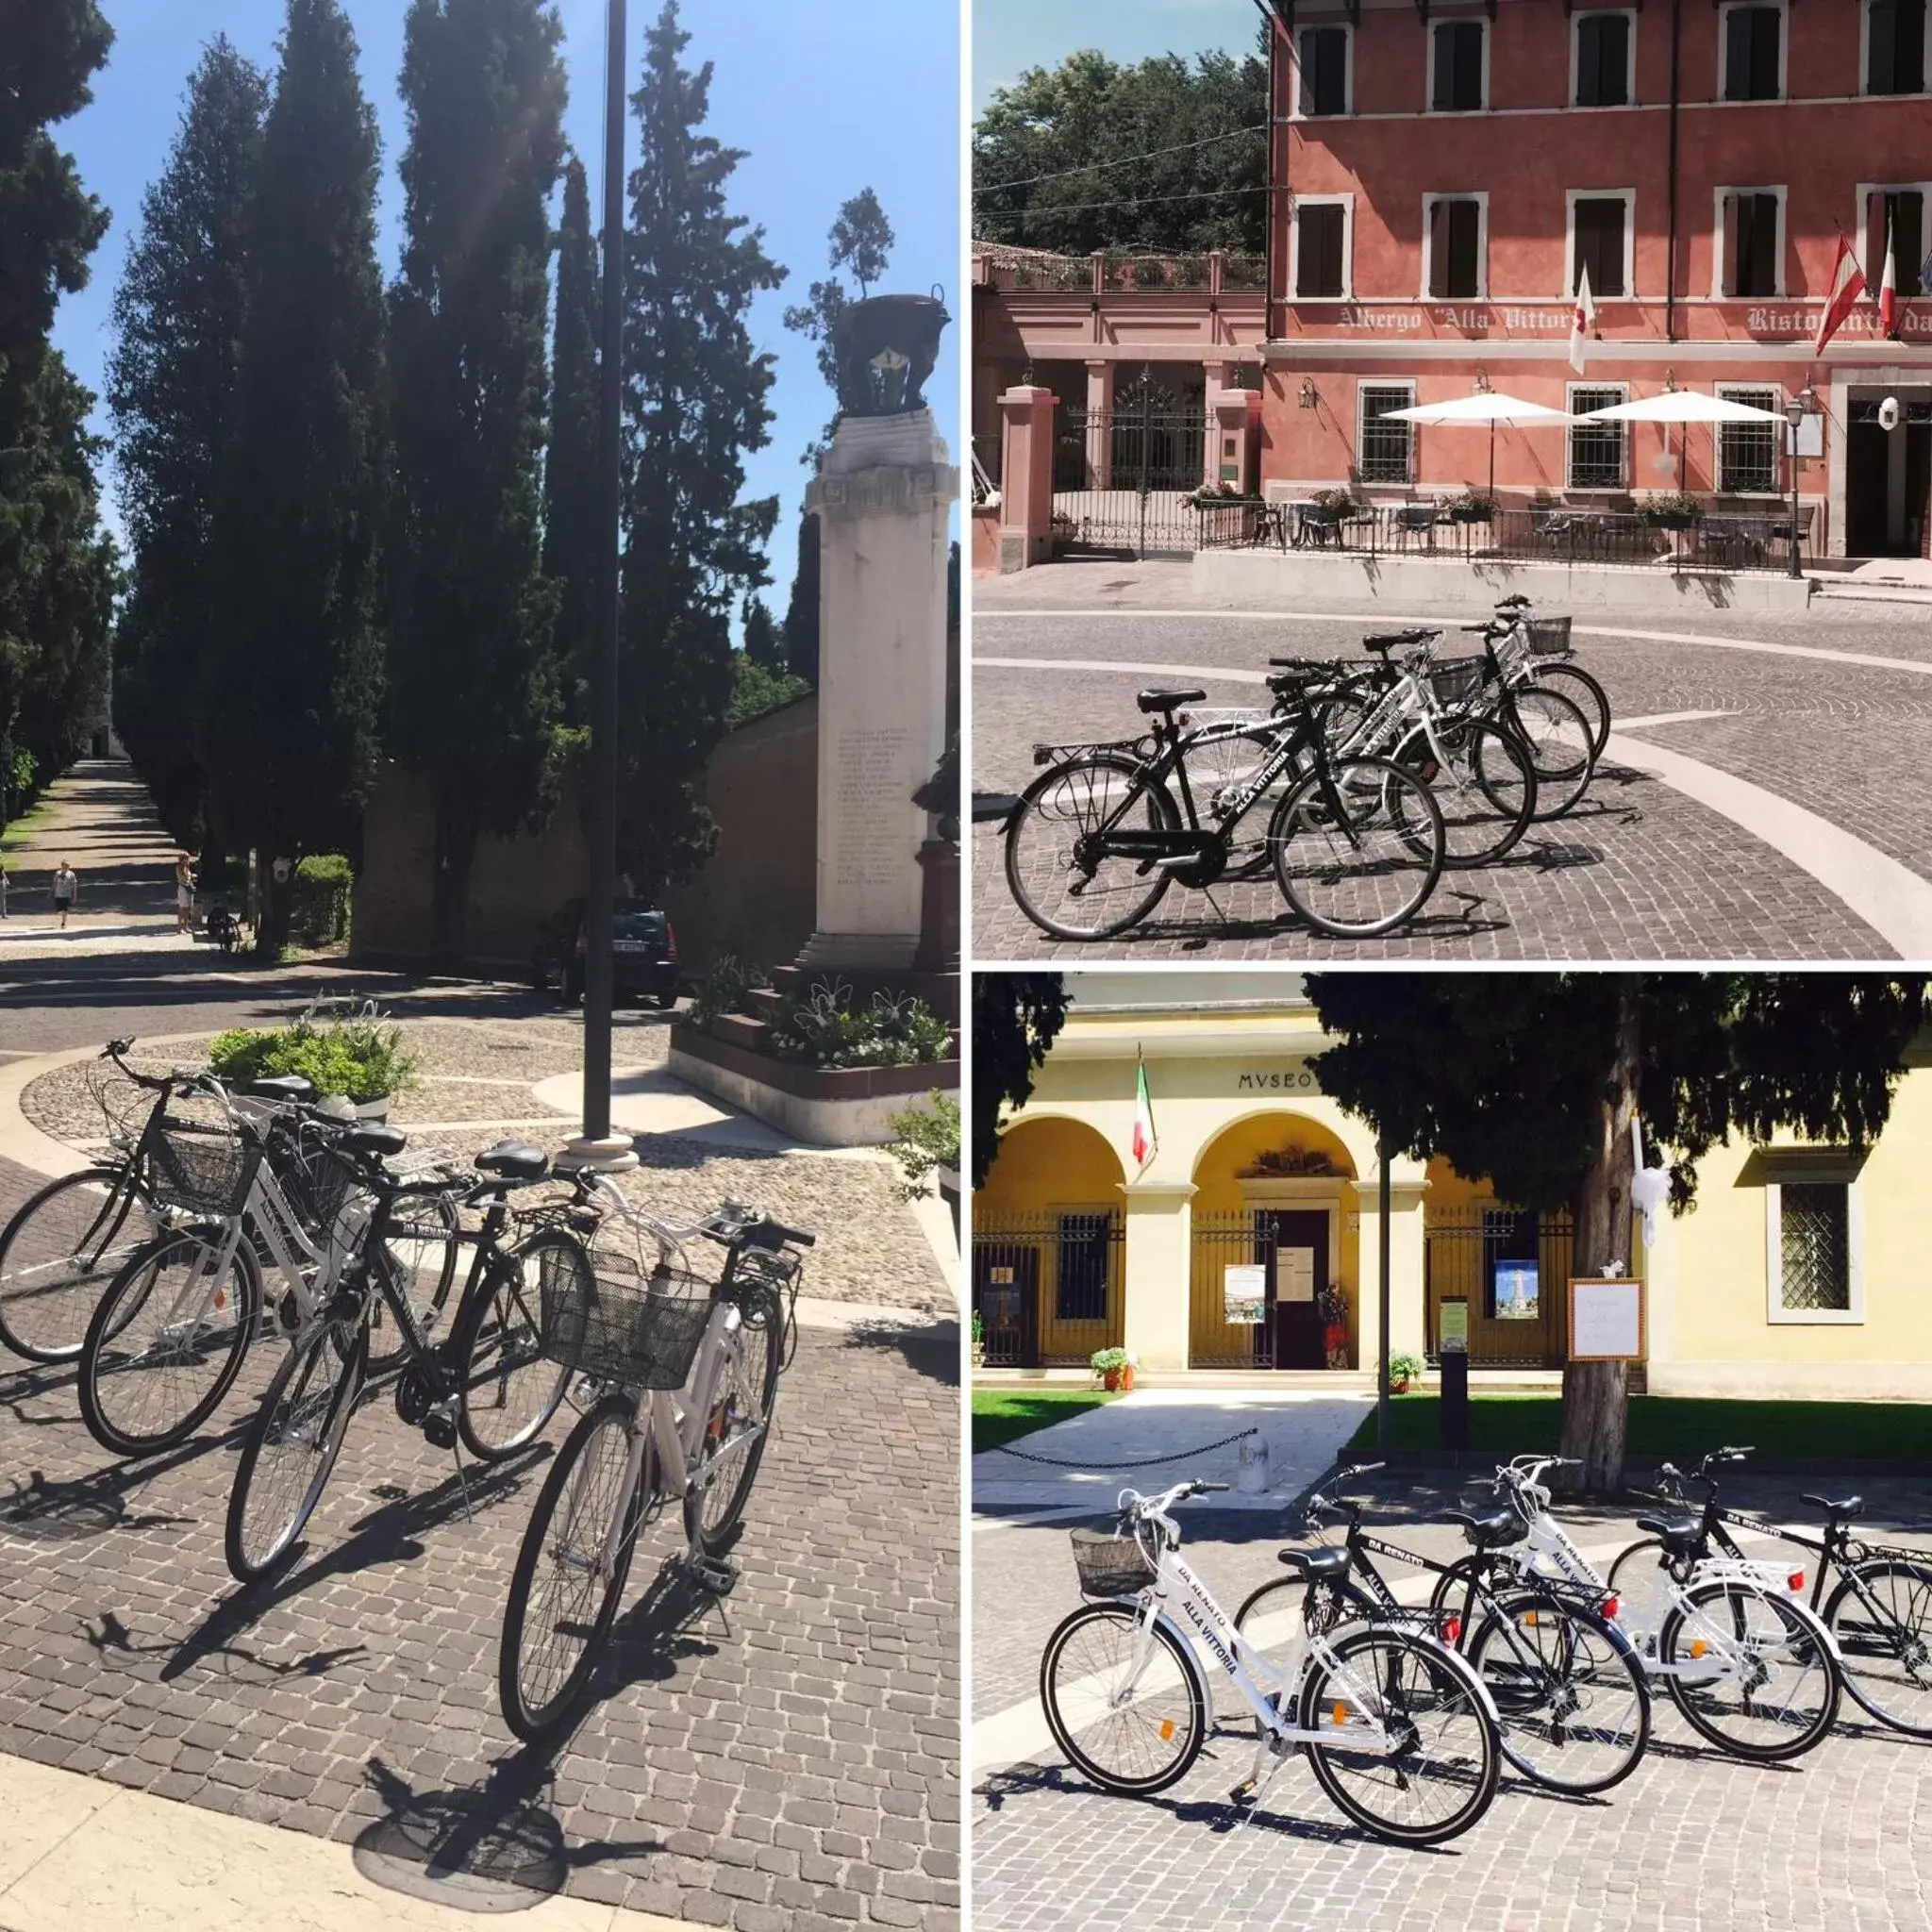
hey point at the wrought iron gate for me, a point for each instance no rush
(1513, 1271)
(1048, 1287)
(1124, 477)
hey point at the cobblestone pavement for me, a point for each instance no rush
(785, 1759)
(1639, 870)
(1693, 1840)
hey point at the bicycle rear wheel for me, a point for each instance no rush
(1358, 859)
(1484, 785)
(422, 1240)
(561, 1605)
(511, 1387)
(1557, 735)
(291, 1449)
(1781, 1694)
(1639, 1579)
(1057, 878)
(1883, 1629)
(167, 1341)
(59, 1253)
(1442, 1776)
(1130, 1718)
(740, 1424)
(1274, 1618)
(1585, 692)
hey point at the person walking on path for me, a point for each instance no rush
(184, 892)
(2, 889)
(66, 890)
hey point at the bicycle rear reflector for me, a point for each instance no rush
(1452, 1631)
(1796, 1579)
(1611, 1609)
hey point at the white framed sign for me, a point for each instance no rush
(1607, 1319)
(1294, 1275)
(1244, 1294)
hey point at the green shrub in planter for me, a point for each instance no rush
(726, 989)
(1469, 507)
(824, 1030)
(925, 1140)
(324, 882)
(1675, 512)
(360, 1059)
(1341, 500)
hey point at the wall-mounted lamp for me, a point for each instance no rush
(1308, 397)
(1482, 381)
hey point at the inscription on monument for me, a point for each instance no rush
(872, 840)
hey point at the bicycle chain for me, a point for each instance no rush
(1142, 1462)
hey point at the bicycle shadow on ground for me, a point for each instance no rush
(388, 1534)
(113, 1640)
(495, 1846)
(932, 1351)
(658, 1633)
(79, 1507)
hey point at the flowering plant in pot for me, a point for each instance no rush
(1403, 1370)
(1114, 1366)
(1675, 512)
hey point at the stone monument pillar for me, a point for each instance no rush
(882, 496)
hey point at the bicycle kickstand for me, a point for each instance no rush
(1270, 1755)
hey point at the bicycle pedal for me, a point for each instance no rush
(720, 1579)
(1246, 1792)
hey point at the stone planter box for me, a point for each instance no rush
(829, 1106)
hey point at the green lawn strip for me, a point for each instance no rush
(20, 829)
(1679, 1428)
(1004, 1415)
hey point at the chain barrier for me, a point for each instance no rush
(1142, 1462)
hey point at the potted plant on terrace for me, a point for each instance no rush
(1674, 511)
(359, 1058)
(1469, 507)
(1403, 1370)
(1115, 1368)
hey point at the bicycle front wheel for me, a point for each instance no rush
(166, 1342)
(1773, 1693)
(1559, 740)
(58, 1254)
(1123, 1704)
(1585, 692)
(571, 1570)
(1484, 785)
(1881, 1614)
(1442, 1776)
(740, 1424)
(511, 1387)
(1059, 874)
(291, 1449)
(1357, 857)
(1574, 1707)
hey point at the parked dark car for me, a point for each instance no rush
(644, 953)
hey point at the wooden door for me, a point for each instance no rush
(1298, 1326)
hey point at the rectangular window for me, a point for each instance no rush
(1455, 228)
(1599, 222)
(1747, 453)
(1386, 448)
(1596, 449)
(1895, 47)
(1458, 62)
(1815, 1246)
(1080, 1278)
(1320, 229)
(1903, 211)
(1602, 59)
(1323, 56)
(1753, 53)
(1752, 244)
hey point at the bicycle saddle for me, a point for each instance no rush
(282, 1086)
(380, 1142)
(1678, 1532)
(514, 1160)
(1485, 1531)
(1845, 1508)
(1159, 699)
(1324, 1565)
(1385, 641)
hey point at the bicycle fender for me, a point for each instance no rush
(1458, 1665)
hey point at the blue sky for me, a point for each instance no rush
(824, 99)
(1010, 36)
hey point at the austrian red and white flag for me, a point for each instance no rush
(1847, 285)
(1888, 290)
(1581, 323)
(1144, 1141)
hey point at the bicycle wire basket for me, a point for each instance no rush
(202, 1168)
(1549, 637)
(643, 1332)
(316, 1178)
(1111, 1564)
(1457, 681)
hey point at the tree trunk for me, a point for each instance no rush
(278, 911)
(1595, 1393)
(456, 855)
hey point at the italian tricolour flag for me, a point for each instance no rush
(1144, 1116)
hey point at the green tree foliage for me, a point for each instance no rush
(1016, 1016)
(293, 688)
(758, 688)
(1530, 1079)
(171, 388)
(696, 402)
(861, 245)
(802, 612)
(765, 643)
(570, 539)
(474, 690)
(1170, 154)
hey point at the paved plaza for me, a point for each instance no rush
(1764, 794)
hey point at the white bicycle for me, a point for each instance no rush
(680, 1378)
(1751, 1667)
(1399, 1730)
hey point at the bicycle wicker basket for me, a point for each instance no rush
(1457, 681)
(1549, 637)
(641, 1331)
(206, 1170)
(1110, 1564)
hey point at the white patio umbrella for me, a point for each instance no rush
(1682, 406)
(1486, 407)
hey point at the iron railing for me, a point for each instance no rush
(1049, 1288)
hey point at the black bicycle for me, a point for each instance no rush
(1570, 1692)
(1355, 844)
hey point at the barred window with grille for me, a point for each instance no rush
(1080, 1290)
(1747, 453)
(1596, 449)
(1387, 449)
(1814, 1246)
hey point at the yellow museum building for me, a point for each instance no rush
(1248, 1239)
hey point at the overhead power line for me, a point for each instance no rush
(1122, 161)
(1080, 208)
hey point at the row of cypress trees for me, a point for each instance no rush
(364, 518)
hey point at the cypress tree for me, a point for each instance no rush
(697, 402)
(293, 685)
(474, 685)
(802, 612)
(171, 388)
(570, 471)
(765, 643)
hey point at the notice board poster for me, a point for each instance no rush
(1294, 1275)
(1607, 1319)
(1244, 1292)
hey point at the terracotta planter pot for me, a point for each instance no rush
(1400, 1388)
(1118, 1380)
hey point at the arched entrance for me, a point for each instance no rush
(1273, 1279)
(1049, 1283)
